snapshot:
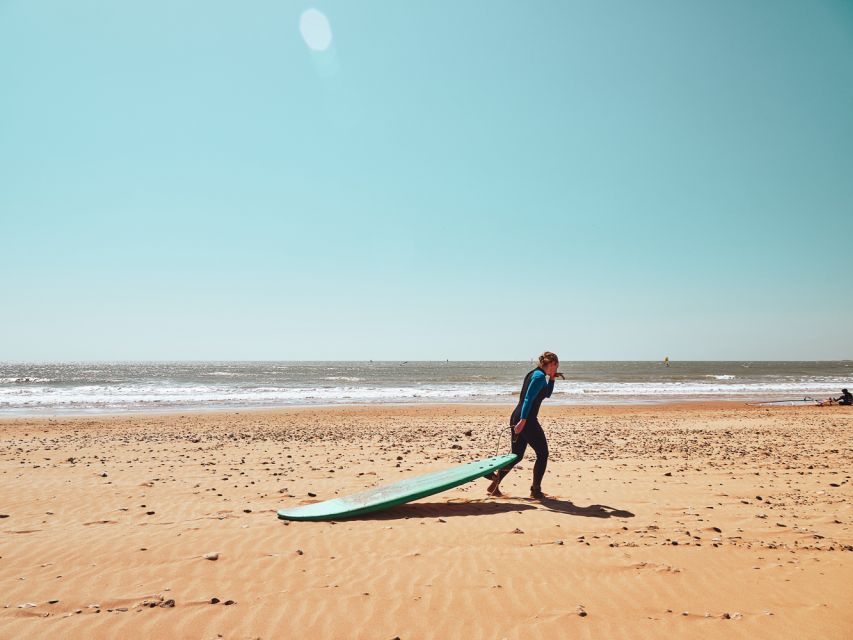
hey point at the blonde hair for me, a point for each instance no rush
(547, 358)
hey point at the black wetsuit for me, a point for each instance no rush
(846, 399)
(532, 433)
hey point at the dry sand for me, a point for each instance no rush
(717, 521)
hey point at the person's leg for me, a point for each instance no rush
(519, 446)
(537, 440)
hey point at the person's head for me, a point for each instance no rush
(844, 391)
(549, 362)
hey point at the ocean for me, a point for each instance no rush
(117, 387)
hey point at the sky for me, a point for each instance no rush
(426, 180)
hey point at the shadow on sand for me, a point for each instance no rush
(489, 507)
(592, 511)
(444, 510)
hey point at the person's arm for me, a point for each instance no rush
(537, 382)
(550, 389)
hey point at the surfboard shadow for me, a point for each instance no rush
(443, 510)
(592, 511)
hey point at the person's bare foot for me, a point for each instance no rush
(494, 489)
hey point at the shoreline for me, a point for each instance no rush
(386, 411)
(698, 403)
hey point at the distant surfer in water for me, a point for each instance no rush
(524, 424)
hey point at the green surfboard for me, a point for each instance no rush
(398, 493)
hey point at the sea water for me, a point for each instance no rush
(68, 388)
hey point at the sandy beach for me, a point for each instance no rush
(665, 521)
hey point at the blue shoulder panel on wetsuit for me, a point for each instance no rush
(537, 383)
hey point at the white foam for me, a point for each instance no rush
(148, 395)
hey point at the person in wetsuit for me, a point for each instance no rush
(524, 424)
(846, 398)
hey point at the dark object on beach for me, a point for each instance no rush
(844, 400)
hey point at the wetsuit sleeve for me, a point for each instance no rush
(537, 382)
(550, 388)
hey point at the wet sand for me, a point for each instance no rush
(665, 521)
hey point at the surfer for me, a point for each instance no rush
(524, 423)
(845, 399)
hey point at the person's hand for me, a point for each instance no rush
(520, 426)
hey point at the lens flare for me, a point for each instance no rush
(315, 30)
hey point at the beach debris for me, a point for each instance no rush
(517, 530)
(228, 603)
(582, 611)
(4, 515)
(299, 552)
(104, 474)
(214, 600)
(312, 495)
(211, 556)
(27, 605)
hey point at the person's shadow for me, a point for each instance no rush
(592, 511)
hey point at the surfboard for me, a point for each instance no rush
(398, 493)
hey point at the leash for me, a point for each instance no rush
(514, 439)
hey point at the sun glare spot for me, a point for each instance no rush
(315, 30)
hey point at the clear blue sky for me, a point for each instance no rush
(463, 180)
